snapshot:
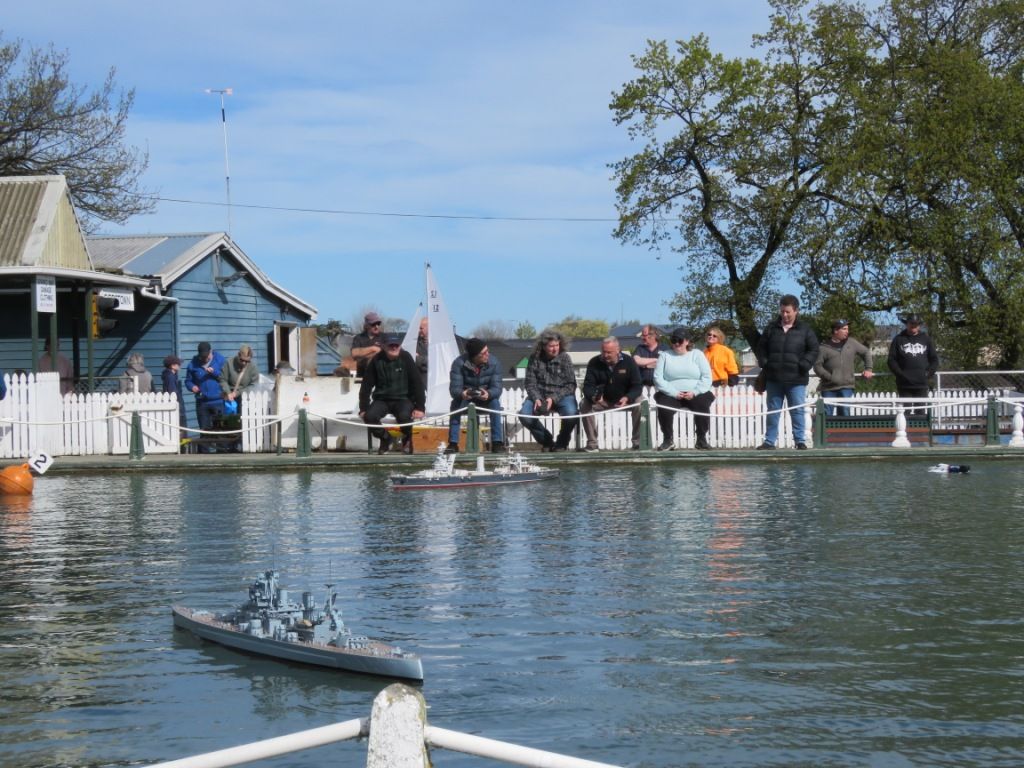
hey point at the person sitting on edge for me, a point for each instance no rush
(786, 351)
(721, 358)
(476, 378)
(612, 381)
(136, 378)
(550, 386)
(63, 369)
(683, 379)
(202, 379)
(835, 365)
(393, 381)
(646, 353)
(367, 344)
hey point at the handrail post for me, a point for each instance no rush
(901, 440)
(136, 447)
(397, 727)
(992, 422)
(472, 429)
(646, 443)
(819, 423)
(303, 440)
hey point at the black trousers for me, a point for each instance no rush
(400, 409)
(700, 405)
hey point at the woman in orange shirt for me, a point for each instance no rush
(721, 359)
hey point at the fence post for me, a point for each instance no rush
(136, 449)
(1017, 440)
(992, 422)
(645, 426)
(397, 726)
(303, 440)
(819, 423)
(901, 441)
(472, 429)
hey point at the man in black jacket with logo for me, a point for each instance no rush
(786, 351)
(912, 360)
(394, 381)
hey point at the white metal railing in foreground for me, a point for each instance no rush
(398, 738)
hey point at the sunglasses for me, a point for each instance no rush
(375, 325)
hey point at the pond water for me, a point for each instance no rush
(854, 614)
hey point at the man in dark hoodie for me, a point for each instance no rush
(787, 351)
(393, 381)
(912, 360)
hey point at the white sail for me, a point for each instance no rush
(442, 347)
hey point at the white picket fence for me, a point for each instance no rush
(35, 417)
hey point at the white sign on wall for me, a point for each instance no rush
(125, 298)
(46, 293)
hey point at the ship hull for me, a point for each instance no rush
(364, 662)
(411, 483)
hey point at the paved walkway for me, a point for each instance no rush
(286, 461)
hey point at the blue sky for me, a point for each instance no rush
(442, 109)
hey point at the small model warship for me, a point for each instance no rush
(512, 468)
(271, 625)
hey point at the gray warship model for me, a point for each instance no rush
(511, 468)
(271, 625)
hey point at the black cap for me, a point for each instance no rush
(840, 323)
(204, 348)
(681, 334)
(391, 339)
(912, 319)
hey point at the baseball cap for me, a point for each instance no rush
(371, 317)
(840, 323)
(392, 339)
(912, 319)
(680, 334)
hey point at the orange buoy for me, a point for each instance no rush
(16, 480)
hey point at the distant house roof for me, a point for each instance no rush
(168, 257)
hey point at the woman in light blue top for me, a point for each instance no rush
(683, 380)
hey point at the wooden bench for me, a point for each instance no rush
(878, 431)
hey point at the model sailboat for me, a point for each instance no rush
(442, 349)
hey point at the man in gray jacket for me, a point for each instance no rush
(835, 366)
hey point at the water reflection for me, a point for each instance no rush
(755, 615)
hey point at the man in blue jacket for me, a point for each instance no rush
(476, 378)
(787, 350)
(203, 380)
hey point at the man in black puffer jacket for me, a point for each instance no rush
(786, 351)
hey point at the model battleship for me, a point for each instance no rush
(271, 625)
(512, 468)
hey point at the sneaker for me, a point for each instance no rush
(556, 448)
(497, 447)
(635, 447)
(385, 445)
(590, 449)
(666, 446)
(766, 446)
(801, 446)
(407, 445)
(703, 444)
(452, 448)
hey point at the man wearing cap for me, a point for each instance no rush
(913, 360)
(169, 379)
(392, 384)
(786, 351)
(835, 365)
(476, 378)
(202, 378)
(367, 344)
(612, 381)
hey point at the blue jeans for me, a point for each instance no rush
(565, 406)
(497, 421)
(840, 410)
(793, 395)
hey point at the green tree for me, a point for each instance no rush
(48, 125)
(576, 327)
(734, 151)
(525, 330)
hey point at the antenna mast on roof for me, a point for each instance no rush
(224, 123)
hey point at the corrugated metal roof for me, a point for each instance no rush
(19, 209)
(150, 255)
